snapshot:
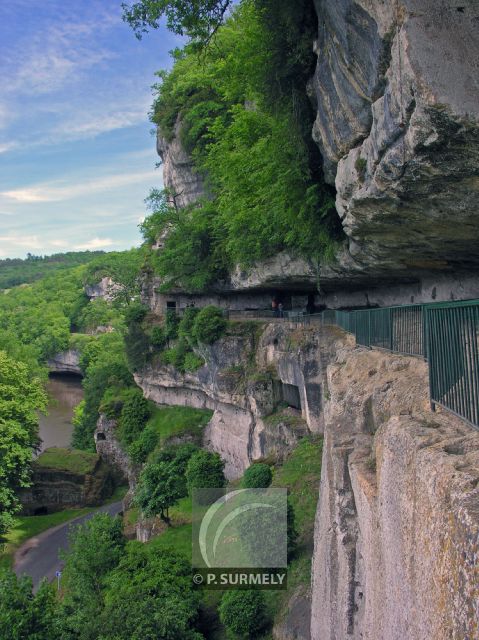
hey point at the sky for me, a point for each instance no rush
(77, 155)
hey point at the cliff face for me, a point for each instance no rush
(398, 127)
(56, 489)
(244, 396)
(397, 526)
(397, 124)
(65, 362)
(179, 175)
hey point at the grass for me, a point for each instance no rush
(300, 474)
(284, 416)
(73, 460)
(177, 421)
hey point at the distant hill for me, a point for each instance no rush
(15, 271)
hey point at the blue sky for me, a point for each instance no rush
(77, 157)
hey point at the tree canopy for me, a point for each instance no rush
(199, 19)
(21, 397)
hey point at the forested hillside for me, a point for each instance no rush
(15, 271)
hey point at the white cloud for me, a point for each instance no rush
(7, 146)
(57, 54)
(95, 243)
(49, 192)
(21, 241)
(91, 127)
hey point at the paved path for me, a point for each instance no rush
(39, 558)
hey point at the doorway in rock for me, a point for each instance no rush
(291, 396)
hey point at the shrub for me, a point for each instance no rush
(140, 449)
(135, 313)
(205, 470)
(176, 355)
(210, 324)
(257, 476)
(171, 325)
(158, 337)
(134, 416)
(243, 612)
(185, 328)
(192, 362)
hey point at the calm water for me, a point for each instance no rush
(56, 428)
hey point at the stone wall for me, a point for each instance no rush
(397, 526)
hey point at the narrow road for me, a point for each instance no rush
(39, 558)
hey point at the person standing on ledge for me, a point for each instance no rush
(274, 307)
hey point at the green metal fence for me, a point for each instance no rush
(445, 334)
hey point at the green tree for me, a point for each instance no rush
(159, 488)
(205, 470)
(21, 397)
(95, 549)
(162, 482)
(149, 596)
(198, 20)
(134, 416)
(23, 614)
(257, 476)
(243, 613)
(106, 367)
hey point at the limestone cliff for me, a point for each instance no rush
(398, 127)
(65, 362)
(397, 124)
(397, 526)
(55, 489)
(239, 383)
(179, 176)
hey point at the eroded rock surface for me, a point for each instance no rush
(179, 175)
(111, 451)
(65, 362)
(242, 382)
(57, 489)
(397, 528)
(398, 127)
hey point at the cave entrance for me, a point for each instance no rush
(100, 436)
(291, 396)
(41, 511)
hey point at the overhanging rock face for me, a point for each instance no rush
(398, 126)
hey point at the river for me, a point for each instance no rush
(56, 427)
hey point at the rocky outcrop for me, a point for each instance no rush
(397, 528)
(111, 451)
(105, 289)
(184, 184)
(56, 489)
(398, 127)
(242, 382)
(65, 362)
